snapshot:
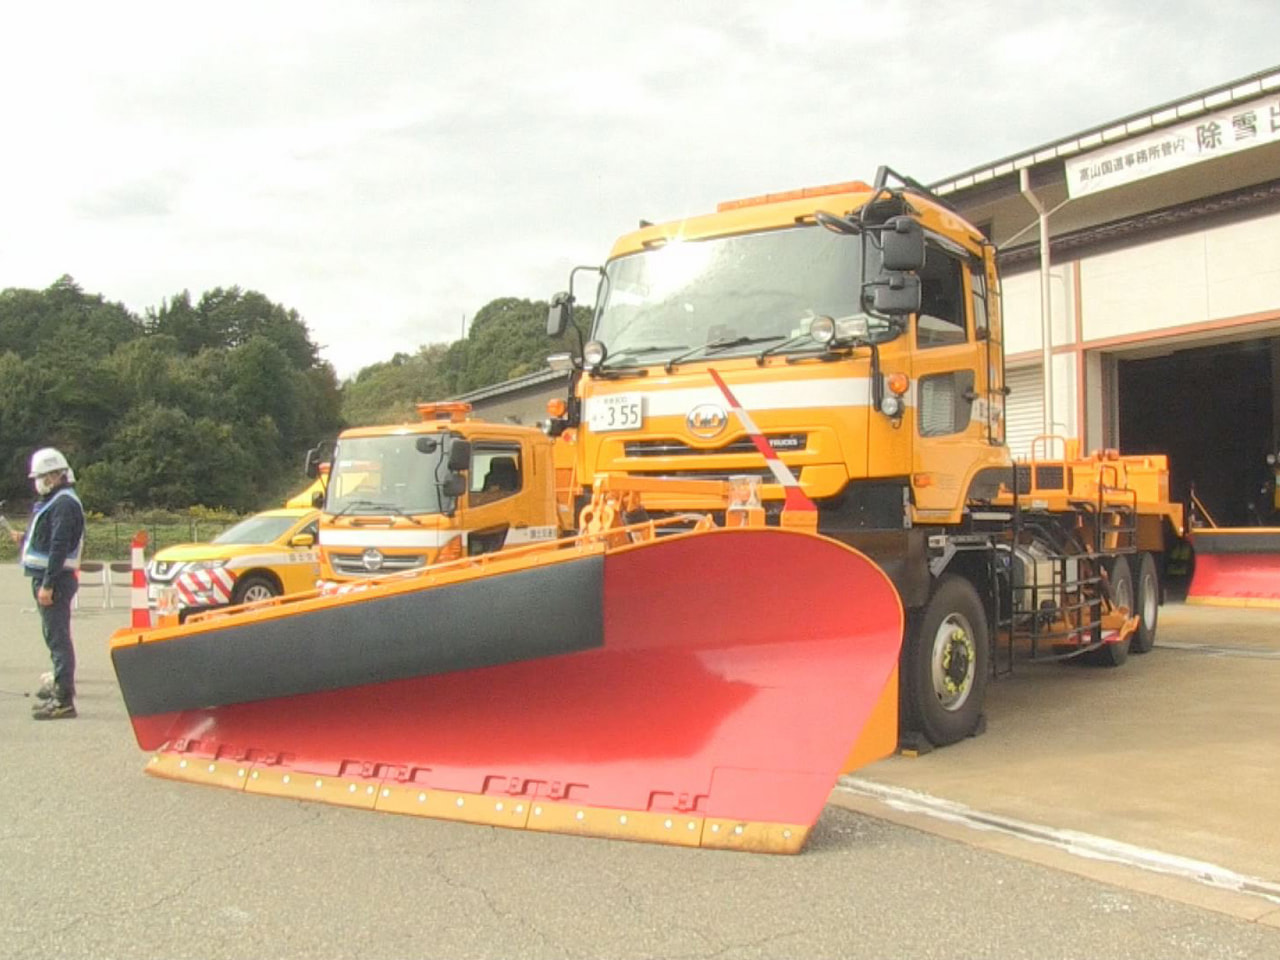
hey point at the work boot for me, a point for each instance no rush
(47, 689)
(54, 709)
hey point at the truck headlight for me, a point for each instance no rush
(891, 406)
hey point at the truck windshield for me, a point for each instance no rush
(382, 476)
(733, 294)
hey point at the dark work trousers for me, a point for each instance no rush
(55, 621)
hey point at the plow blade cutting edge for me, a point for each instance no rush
(700, 689)
(1237, 567)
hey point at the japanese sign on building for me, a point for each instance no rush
(1213, 135)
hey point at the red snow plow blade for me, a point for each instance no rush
(1236, 567)
(702, 689)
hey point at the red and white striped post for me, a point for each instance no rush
(138, 595)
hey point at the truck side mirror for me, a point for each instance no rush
(897, 295)
(317, 499)
(455, 485)
(311, 466)
(560, 314)
(902, 244)
(426, 444)
(459, 456)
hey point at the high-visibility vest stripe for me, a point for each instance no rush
(36, 560)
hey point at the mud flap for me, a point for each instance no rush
(701, 689)
(1237, 567)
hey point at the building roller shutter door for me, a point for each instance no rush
(1024, 409)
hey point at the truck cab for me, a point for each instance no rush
(859, 327)
(407, 496)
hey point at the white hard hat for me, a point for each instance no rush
(47, 460)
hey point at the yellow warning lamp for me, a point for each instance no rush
(557, 407)
(897, 382)
(454, 411)
(849, 186)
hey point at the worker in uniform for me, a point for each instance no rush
(51, 557)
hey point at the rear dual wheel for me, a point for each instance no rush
(945, 664)
(1147, 600)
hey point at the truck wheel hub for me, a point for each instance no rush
(954, 657)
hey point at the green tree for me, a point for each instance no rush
(507, 339)
(209, 403)
(161, 457)
(63, 319)
(386, 392)
(231, 317)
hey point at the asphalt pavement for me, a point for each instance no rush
(102, 861)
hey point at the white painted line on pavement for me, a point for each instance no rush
(1210, 651)
(1077, 844)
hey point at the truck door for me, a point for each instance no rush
(505, 499)
(950, 369)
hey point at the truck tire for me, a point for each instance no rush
(254, 587)
(945, 664)
(1121, 581)
(1147, 598)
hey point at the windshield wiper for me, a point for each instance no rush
(789, 342)
(353, 503)
(397, 511)
(717, 346)
(639, 352)
(376, 506)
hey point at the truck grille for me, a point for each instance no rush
(352, 564)
(672, 447)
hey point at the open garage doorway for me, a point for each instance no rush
(1212, 410)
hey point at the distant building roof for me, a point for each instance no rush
(511, 386)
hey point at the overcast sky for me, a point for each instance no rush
(385, 168)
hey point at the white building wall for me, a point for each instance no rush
(1145, 287)
(1064, 395)
(1223, 272)
(1226, 271)
(1021, 304)
(1243, 267)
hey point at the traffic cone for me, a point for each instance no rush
(141, 612)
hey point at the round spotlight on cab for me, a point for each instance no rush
(822, 329)
(557, 407)
(593, 353)
(891, 406)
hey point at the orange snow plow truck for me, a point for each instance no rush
(800, 528)
(405, 496)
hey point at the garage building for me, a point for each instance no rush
(1163, 285)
